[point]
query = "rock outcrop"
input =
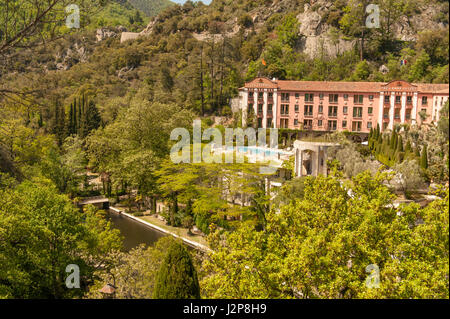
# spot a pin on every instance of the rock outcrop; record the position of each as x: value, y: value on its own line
x: 104, y: 33
x: 77, y: 53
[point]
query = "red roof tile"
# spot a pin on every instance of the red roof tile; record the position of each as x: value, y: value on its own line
x: 335, y: 86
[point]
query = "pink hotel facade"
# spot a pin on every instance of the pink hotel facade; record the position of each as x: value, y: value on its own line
x: 340, y: 106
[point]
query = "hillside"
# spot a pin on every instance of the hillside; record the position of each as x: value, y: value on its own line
x: 150, y: 7
x: 197, y: 56
x: 356, y: 196
x: 132, y: 14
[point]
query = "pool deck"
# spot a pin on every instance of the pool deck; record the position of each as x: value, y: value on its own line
x: 189, y: 242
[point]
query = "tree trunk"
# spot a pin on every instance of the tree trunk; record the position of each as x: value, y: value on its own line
x: 202, y: 93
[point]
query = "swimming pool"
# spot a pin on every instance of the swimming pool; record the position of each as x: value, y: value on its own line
x: 255, y: 150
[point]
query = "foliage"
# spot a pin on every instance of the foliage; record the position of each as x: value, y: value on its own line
x: 42, y: 233
x: 150, y: 7
x: 351, y: 161
x: 133, y: 273
x: 410, y: 177
x: 320, y: 246
x: 177, y: 277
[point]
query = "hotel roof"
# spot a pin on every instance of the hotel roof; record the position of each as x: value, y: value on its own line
x: 335, y: 86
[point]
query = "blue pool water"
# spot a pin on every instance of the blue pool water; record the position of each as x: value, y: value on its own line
x: 258, y: 150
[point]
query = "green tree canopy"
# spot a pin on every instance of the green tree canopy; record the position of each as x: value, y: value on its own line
x: 320, y: 247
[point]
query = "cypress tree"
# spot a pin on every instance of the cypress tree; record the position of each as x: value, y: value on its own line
x: 417, y: 152
x: 59, y: 123
x: 400, y: 144
x: 378, y: 148
x: 395, y: 143
x: 393, y: 138
x: 83, y: 120
x: 75, y: 112
x: 40, y: 123
x: 177, y: 277
x: 424, y: 158
x: 93, y: 118
x: 65, y: 123
x: 408, y: 147
x: 79, y: 117
x: 378, y: 130
x: 71, y: 119
x: 55, y: 120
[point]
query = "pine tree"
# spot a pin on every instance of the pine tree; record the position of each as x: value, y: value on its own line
x: 177, y: 277
x: 424, y: 158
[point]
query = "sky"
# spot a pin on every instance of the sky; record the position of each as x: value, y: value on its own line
x: 183, y: 1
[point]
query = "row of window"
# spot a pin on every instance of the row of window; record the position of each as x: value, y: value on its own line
x: 332, y: 110
x: 330, y: 125
x: 333, y: 98
x: 398, y: 99
x: 260, y: 95
x: 397, y: 113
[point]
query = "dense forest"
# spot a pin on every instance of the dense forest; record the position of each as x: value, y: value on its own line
x: 72, y: 103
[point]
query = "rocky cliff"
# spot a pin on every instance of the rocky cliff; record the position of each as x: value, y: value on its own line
x: 318, y: 20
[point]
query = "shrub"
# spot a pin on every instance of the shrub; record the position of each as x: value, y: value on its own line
x: 245, y: 21
x: 177, y: 277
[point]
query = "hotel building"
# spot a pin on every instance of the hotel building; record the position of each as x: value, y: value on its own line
x: 340, y: 106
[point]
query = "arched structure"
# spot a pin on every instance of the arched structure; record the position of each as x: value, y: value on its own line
x: 311, y: 158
